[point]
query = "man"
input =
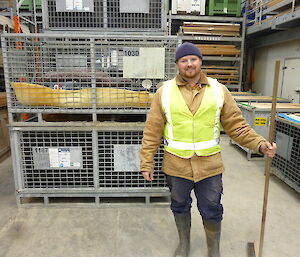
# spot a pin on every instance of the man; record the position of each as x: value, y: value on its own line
x: 187, y: 111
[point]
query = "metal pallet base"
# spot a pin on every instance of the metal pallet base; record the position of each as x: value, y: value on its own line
x: 292, y: 184
x: 117, y: 199
x: 56, y: 118
x: 250, y: 154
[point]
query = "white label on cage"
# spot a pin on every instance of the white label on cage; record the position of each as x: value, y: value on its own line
x: 53, y: 157
x: 225, y: 10
x: 286, y: 143
x: 133, y: 6
x: 114, y: 57
x: 57, y: 158
x: 196, y: 6
x: 78, y: 5
x: 40, y: 156
x: 76, y: 164
x: 149, y: 64
x: 74, y: 5
x: 126, y: 157
x: 66, y: 62
x: 69, y: 5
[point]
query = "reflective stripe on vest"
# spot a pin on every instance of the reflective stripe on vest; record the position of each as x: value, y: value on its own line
x: 179, y: 136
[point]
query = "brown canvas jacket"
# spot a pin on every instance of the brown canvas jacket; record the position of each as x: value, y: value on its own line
x: 195, y: 168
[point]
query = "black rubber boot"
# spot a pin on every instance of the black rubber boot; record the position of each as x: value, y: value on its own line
x: 183, y: 224
x: 213, y: 234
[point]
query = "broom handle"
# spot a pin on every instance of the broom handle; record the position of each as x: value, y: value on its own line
x: 268, y: 159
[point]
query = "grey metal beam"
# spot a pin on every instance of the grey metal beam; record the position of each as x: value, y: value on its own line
x: 207, y: 18
x: 276, y: 38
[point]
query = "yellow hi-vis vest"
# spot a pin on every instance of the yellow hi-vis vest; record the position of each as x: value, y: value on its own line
x: 186, y: 134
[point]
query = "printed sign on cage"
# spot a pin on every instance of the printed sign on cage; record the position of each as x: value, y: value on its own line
x: 144, y: 62
x: 127, y: 157
x: 57, y: 157
x: 133, y: 6
x: 74, y: 6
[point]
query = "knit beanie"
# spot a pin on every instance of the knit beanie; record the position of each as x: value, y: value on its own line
x: 185, y: 49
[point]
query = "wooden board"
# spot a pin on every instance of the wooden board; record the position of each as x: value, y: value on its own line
x: 219, y: 50
x: 3, y: 101
x: 4, y: 135
x: 216, y: 76
x: 242, y: 93
x: 187, y: 31
x: 257, y: 98
x: 7, y: 3
x: 279, y: 106
x: 204, y: 28
x: 220, y: 70
x: 209, y: 25
x: 1, y: 58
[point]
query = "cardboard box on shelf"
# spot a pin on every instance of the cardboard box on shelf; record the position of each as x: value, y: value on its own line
x: 188, y: 6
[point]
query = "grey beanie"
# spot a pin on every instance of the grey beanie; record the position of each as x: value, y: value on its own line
x: 185, y: 49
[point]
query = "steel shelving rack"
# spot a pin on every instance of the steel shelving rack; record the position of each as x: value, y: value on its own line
x: 239, y: 41
x: 286, y: 162
x: 273, y: 15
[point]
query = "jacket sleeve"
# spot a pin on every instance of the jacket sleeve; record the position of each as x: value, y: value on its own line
x: 153, y: 133
x: 235, y: 125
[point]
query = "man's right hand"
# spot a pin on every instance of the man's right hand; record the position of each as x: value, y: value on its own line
x: 147, y: 175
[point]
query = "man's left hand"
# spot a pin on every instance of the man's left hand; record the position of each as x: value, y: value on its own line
x: 268, y: 149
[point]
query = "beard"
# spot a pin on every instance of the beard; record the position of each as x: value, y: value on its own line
x: 190, y: 73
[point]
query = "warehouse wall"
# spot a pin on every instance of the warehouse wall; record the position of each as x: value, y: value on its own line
x: 264, y: 65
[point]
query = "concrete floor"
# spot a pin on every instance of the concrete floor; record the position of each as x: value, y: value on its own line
x: 137, y: 231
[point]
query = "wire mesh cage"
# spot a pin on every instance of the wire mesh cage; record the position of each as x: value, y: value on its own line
x: 105, y: 15
x: 85, y: 74
x: 49, y: 159
x: 286, y: 162
x: 257, y: 115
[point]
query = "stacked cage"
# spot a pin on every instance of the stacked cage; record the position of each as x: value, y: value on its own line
x: 105, y: 15
x: 257, y: 115
x: 286, y: 163
x: 77, y: 108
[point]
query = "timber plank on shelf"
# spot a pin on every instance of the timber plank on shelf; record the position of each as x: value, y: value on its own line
x: 3, y: 99
x: 217, y: 29
x: 220, y: 69
x: 219, y: 50
x: 226, y: 75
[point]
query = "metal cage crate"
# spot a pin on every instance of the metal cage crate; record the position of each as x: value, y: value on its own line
x: 224, y: 7
x: 69, y: 161
x: 286, y: 162
x: 28, y: 5
x: 47, y: 73
x: 257, y: 115
x: 105, y: 15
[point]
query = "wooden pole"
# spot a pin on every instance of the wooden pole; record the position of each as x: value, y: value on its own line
x: 268, y: 159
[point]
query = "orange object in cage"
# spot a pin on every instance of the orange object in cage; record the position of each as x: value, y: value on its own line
x: 17, y: 24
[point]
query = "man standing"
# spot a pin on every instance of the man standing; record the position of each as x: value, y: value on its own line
x: 187, y: 112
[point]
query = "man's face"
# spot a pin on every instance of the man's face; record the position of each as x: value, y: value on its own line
x: 189, y: 66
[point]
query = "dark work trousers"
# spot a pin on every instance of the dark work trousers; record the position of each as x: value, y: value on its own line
x: 207, y: 191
